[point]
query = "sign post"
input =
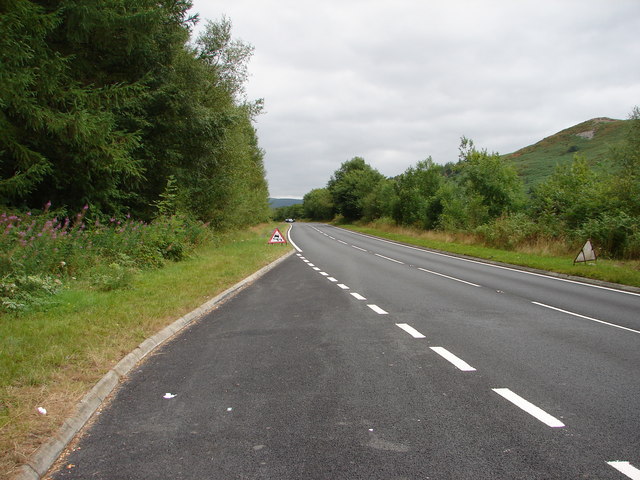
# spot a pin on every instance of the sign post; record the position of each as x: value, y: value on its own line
x: 277, y: 237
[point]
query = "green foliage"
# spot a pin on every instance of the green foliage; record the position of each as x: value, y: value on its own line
x: 349, y: 186
x: 490, y: 179
x: 571, y: 196
x: 318, y: 205
x: 593, y: 139
x: 616, y: 235
x: 483, y: 195
x: 291, y: 211
x: 39, y: 253
x: 509, y: 231
x: 382, y: 201
x: 418, y: 202
x: 105, y: 103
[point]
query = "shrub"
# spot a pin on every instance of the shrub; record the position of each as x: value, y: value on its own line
x: 38, y: 249
x: 615, y: 234
x: 508, y: 231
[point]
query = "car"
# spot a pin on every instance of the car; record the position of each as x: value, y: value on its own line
x: 289, y: 220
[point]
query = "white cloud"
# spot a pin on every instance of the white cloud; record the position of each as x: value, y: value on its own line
x: 395, y: 81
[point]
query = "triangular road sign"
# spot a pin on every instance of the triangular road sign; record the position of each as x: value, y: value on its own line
x: 587, y: 253
x: 277, y: 237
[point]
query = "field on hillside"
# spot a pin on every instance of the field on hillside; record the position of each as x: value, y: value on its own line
x: 593, y: 139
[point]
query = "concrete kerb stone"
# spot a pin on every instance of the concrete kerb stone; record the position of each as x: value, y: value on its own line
x: 42, y: 460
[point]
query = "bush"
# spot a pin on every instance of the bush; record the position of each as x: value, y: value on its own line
x: 616, y: 235
x: 508, y: 231
x: 18, y: 292
x: 40, y: 252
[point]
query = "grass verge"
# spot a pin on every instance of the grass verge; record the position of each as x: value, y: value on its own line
x: 51, y: 358
x: 614, y: 271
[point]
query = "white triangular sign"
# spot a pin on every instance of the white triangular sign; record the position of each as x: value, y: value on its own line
x: 277, y: 237
x: 587, y: 253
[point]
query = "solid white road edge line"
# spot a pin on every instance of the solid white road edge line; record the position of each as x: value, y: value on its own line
x: 458, y: 362
x: 387, y: 258
x: 586, y: 318
x: 377, y: 309
x: 492, y: 265
x: 357, y: 296
x: 291, y: 239
x: 410, y: 330
x: 529, y: 407
x: 447, y: 276
x: 627, y: 469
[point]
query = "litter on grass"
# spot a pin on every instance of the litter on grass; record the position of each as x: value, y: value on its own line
x: 169, y: 395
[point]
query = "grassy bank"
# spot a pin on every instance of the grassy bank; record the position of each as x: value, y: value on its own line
x: 542, y: 256
x: 52, y: 357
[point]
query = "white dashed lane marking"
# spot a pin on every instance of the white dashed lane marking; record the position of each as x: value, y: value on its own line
x: 377, y: 309
x: 410, y: 330
x: 343, y: 286
x: 626, y: 468
x: 357, y: 296
x: 529, y: 407
x: 458, y: 362
x: 390, y: 259
x: 447, y: 276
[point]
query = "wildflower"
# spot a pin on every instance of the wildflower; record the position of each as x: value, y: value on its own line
x: 86, y: 207
x: 47, y: 206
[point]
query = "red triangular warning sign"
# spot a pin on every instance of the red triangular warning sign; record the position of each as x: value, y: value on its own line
x: 277, y: 237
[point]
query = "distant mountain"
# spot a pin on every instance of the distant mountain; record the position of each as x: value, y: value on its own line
x: 283, y: 202
x: 593, y: 139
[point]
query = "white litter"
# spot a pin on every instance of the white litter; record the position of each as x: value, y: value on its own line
x: 229, y: 409
x: 42, y: 411
x: 169, y: 395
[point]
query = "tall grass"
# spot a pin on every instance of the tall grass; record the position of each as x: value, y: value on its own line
x: 41, y: 253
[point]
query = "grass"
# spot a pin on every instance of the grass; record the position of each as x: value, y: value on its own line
x: 537, y: 162
x: 52, y: 357
x: 547, y: 257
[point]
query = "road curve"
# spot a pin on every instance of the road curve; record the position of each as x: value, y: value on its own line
x: 361, y: 358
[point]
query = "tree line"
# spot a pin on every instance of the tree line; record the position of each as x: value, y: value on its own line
x: 112, y: 104
x: 482, y: 194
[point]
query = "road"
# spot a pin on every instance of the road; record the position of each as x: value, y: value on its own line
x: 362, y: 358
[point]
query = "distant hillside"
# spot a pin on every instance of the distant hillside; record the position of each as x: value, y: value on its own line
x: 593, y: 139
x: 283, y: 202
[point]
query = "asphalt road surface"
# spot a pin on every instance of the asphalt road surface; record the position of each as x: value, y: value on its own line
x: 359, y: 358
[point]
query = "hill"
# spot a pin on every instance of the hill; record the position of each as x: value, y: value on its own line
x: 593, y: 139
x: 283, y: 202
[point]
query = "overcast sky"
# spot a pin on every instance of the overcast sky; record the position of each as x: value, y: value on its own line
x: 396, y: 81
